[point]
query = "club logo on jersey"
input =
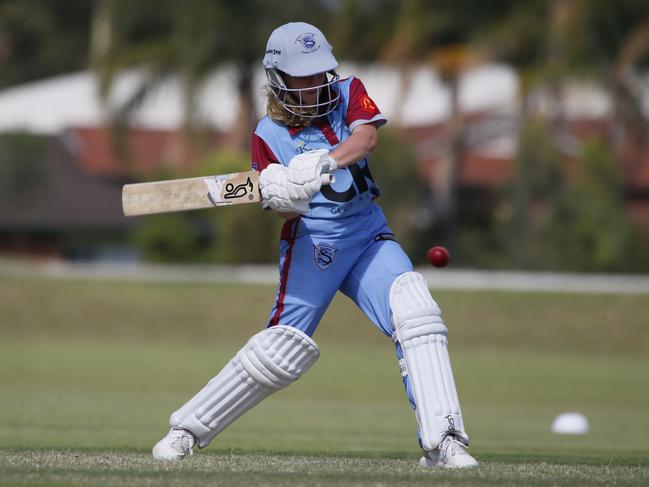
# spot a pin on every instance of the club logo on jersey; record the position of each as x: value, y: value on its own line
x: 323, y: 255
x: 308, y: 42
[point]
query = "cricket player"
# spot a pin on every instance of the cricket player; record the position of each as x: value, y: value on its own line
x: 335, y: 238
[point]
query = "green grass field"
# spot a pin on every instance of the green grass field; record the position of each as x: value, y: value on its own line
x: 89, y: 372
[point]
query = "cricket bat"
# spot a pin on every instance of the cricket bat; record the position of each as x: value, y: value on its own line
x: 193, y: 193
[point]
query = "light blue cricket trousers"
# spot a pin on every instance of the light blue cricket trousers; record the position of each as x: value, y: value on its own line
x: 356, y: 255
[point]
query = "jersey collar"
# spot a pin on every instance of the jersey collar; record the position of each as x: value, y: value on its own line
x: 318, y: 123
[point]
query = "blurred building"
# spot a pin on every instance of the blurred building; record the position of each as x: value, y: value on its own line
x: 51, y: 206
x: 75, y: 210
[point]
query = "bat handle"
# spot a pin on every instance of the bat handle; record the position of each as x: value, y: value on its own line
x: 327, y: 178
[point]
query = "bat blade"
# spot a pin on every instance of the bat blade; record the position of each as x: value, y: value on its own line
x: 190, y: 193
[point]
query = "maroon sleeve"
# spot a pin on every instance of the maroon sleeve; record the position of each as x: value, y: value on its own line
x: 361, y: 108
x: 262, y: 155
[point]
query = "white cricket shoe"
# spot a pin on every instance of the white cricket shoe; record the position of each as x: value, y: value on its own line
x: 450, y: 453
x: 177, y: 444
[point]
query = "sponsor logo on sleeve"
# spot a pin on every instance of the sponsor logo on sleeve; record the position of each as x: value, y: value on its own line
x: 367, y: 104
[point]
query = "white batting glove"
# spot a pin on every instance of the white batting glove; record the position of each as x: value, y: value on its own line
x: 280, y: 193
x: 309, y: 167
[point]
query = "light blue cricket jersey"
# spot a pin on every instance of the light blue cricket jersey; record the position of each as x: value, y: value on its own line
x: 354, y: 188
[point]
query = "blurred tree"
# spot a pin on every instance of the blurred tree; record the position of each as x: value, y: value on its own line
x: 533, y: 39
x: 40, y: 38
x: 533, y: 200
x: 591, y: 229
x: 174, y: 237
x: 361, y: 27
x: 551, y: 44
x: 190, y: 39
x: 394, y: 166
x: 415, y: 33
x: 575, y: 217
x: 614, y: 49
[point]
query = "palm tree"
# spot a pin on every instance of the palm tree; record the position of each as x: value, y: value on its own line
x: 618, y: 49
x: 189, y: 40
x: 439, y: 34
x: 551, y: 44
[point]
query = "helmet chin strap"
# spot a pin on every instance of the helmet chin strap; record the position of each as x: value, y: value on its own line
x: 292, y: 98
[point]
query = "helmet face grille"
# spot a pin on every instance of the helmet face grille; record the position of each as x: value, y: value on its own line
x: 292, y: 99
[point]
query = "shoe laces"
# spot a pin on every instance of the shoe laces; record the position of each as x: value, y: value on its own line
x: 450, y: 446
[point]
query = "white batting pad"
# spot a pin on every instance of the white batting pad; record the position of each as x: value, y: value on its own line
x: 270, y: 361
x: 421, y: 332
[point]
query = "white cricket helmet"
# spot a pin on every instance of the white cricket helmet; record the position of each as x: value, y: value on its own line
x: 301, y: 49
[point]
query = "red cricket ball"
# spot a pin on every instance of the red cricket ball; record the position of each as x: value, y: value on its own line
x: 438, y: 256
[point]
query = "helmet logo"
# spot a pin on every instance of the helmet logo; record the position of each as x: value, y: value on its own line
x: 308, y: 42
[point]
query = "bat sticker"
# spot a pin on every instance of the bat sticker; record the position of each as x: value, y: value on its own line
x: 232, y: 191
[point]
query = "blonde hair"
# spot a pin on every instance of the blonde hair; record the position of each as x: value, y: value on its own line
x: 278, y: 113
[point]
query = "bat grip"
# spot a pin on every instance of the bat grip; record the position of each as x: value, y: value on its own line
x: 327, y: 178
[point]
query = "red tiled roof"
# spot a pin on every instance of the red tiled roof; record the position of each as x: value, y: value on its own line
x: 637, y: 169
x: 479, y: 168
x: 475, y: 170
x: 638, y: 211
x: 152, y: 150
x: 145, y: 151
